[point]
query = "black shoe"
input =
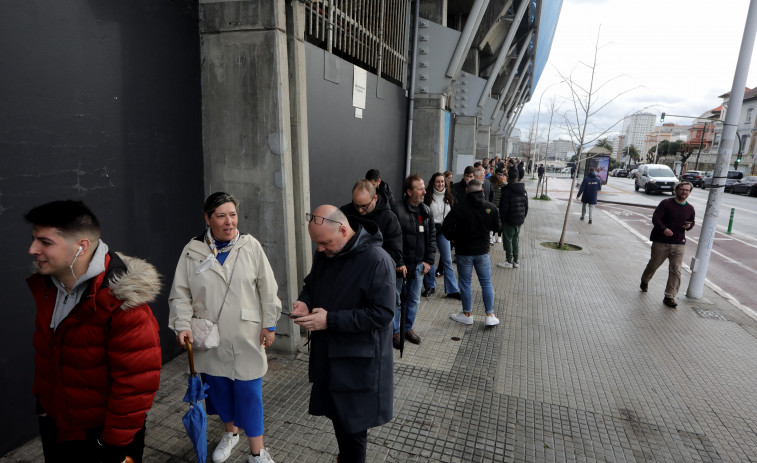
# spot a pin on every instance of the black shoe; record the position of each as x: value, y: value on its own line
x: 454, y: 296
x: 396, y: 341
x: 410, y: 336
x: 427, y: 292
x: 589, y: 220
x: 581, y: 218
x: 644, y: 286
x: 670, y: 302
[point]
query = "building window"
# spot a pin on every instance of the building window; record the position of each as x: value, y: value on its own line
x: 744, y: 139
x: 749, y: 115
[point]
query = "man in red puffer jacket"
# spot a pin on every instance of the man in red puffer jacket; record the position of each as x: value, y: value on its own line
x: 97, y: 351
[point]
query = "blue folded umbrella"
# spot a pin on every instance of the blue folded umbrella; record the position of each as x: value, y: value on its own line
x: 195, y: 420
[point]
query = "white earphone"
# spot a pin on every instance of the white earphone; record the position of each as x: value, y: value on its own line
x: 71, y: 267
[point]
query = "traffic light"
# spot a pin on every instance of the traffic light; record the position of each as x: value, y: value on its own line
x: 738, y: 161
x: 662, y: 117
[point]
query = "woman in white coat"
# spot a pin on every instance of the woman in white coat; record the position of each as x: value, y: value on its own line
x: 225, y: 277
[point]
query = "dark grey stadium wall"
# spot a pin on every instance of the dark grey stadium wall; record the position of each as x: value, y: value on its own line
x: 99, y: 101
x: 343, y: 147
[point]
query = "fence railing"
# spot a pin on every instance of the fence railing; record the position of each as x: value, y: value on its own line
x: 370, y: 33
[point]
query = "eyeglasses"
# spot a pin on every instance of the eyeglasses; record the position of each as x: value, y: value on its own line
x: 363, y: 206
x: 318, y: 219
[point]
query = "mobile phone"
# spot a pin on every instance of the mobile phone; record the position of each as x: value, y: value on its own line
x: 291, y: 315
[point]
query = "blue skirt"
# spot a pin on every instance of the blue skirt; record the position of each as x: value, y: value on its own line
x: 235, y: 401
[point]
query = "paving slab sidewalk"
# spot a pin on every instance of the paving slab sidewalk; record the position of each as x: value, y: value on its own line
x: 583, y: 367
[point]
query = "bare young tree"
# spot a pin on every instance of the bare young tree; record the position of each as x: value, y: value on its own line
x: 586, y: 103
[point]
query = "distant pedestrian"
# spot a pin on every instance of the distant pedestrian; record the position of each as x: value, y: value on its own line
x: 540, y: 171
x: 347, y: 304
x: 521, y: 171
x: 672, y: 218
x: 468, y: 224
x: 589, y: 188
x: 513, y: 209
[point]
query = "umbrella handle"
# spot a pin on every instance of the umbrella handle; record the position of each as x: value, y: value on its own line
x: 128, y: 460
x: 191, y: 359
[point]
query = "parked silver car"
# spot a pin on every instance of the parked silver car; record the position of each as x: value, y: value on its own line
x: 654, y: 178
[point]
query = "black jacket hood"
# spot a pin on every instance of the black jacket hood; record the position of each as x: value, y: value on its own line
x: 367, y: 234
x: 517, y: 187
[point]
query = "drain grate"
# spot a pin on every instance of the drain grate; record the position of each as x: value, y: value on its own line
x: 706, y: 312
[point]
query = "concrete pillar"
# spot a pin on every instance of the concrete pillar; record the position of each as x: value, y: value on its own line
x: 495, y: 145
x: 246, y: 125
x: 428, y: 135
x: 463, y: 145
x: 482, y: 142
x: 295, y: 15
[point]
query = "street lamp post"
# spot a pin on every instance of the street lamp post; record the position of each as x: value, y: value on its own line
x: 538, y: 116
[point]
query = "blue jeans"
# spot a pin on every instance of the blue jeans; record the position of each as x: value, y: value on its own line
x: 445, y: 262
x: 413, y: 293
x: 465, y: 265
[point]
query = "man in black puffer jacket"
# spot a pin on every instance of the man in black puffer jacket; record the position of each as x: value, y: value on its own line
x: 468, y: 224
x: 368, y: 204
x: 513, y: 208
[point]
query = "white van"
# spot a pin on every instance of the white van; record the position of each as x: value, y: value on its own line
x: 655, y: 178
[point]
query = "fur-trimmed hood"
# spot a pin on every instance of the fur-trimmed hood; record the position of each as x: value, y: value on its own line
x: 133, y: 280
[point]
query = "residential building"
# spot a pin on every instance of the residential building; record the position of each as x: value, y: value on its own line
x: 636, y: 127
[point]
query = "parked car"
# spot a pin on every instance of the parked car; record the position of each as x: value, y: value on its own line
x: 706, y: 180
x: 747, y: 185
x: 632, y: 173
x: 732, y: 177
x: 621, y: 173
x: 655, y: 178
x: 693, y: 176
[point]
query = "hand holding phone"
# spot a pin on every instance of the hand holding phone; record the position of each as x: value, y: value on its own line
x: 291, y: 315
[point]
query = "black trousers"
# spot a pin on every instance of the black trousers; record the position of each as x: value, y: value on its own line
x: 352, y: 447
x: 83, y: 451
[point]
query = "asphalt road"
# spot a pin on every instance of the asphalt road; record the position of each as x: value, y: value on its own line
x: 733, y: 262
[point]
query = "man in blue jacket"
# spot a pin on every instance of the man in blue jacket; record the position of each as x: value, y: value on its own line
x: 348, y: 304
x: 589, y: 188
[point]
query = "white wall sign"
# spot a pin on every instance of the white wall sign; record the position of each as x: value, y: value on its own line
x: 359, y: 87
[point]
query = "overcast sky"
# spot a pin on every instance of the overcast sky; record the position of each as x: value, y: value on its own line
x: 681, y: 54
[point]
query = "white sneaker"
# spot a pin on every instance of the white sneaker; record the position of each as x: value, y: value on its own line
x: 505, y: 265
x: 499, y: 239
x: 264, y: 457
x: 492, y: 240
x: 461, y: 318
x: 223, y: 449
x: 491, y: 320
x: 516, y: 264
